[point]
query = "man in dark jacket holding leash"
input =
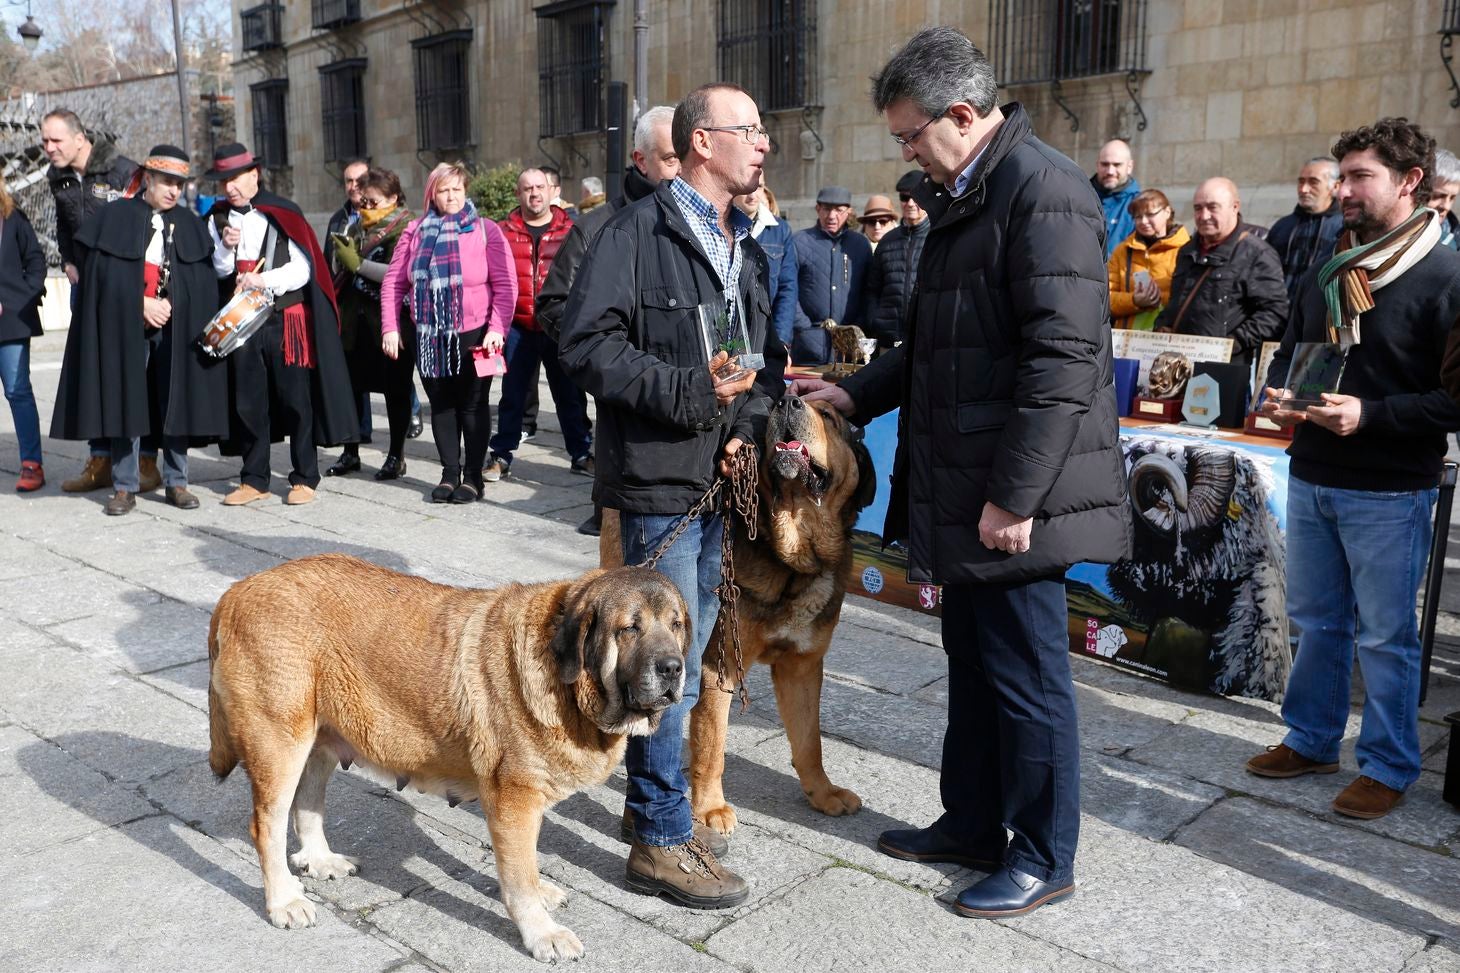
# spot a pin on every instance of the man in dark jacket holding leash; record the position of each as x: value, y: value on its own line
x: 1008, y: 469
x: 671, y: 416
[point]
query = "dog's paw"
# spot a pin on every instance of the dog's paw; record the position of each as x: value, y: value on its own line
x: 836, y: 802
x: 553, y: 942
x: 326, y: 866
x: 294, y: 914
x: 722, y: 819
x: 552, y: 895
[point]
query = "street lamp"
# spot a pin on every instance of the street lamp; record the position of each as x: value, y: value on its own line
x: 30, y: 34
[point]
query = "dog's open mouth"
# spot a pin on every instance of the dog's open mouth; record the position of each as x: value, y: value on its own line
x: 649, y: 705
x: 792, y: 461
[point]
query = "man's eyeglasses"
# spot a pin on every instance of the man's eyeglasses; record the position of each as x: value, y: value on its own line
x: 923, y: 128
x: 751, y: 133
x: 903, y: 197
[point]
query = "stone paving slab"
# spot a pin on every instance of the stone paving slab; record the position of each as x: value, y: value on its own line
x: 1371, y: 877
x: 155, y: 894
x: 155, y: 635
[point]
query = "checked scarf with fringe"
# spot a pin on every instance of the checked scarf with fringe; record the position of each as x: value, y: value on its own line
x: 1350, y: 278
x: 436, y: 290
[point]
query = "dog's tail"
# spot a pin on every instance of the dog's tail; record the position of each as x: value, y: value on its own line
x: 221, y: 756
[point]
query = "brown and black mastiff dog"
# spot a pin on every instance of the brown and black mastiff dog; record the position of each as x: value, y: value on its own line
x: 518, y: 696
x: 815, y: 477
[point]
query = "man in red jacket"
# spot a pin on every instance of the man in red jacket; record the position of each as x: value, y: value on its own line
x: 535, y: 230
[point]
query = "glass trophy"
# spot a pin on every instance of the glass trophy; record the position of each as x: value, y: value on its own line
x: 724, y: 331
x: 1317, y: 367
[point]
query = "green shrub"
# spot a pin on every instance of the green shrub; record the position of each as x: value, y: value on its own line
x: 494, y: 190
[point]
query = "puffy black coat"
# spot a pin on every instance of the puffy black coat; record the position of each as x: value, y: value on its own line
x: 631, y: 339
x: 22, y: 278
x: 1005, y: 376
x: 890, y: 281
x: 77, y: 197
x: 1240, y: 292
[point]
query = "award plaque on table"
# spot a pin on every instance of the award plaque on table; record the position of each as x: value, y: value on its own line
x: 1317, y: 368
x: 723, y: 331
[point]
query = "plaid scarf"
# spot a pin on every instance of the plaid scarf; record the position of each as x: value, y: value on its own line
x: 1356, y: 270
x: 436, y: 290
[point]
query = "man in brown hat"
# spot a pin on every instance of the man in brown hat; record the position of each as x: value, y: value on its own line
x: 290, y: 378
x: 877, y: 219
x: 145, y: 293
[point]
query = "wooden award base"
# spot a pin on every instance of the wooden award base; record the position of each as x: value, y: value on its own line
x: 1260, y: 425
x: 1156, y: 410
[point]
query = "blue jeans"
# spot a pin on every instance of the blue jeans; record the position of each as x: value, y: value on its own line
x: 126, y: 455
x: 15, y: 376
x: 1011, y: 753
x: 1355, y: 562
x: 658, y: 793
x: 523, y: 351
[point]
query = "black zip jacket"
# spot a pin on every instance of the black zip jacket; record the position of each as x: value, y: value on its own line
x: 1240, y: 292
x: 78, y: 196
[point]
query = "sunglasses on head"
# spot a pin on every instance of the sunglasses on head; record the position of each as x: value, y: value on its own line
x: 904, y: 197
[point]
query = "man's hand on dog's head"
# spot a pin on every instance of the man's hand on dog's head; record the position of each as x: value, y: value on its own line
x: 812, y: 389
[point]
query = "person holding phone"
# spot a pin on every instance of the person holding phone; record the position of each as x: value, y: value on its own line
x: 1142, y: 265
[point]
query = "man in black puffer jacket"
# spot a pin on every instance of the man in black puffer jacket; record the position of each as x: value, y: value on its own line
x: 894, y: 269
x: 1008, y: 469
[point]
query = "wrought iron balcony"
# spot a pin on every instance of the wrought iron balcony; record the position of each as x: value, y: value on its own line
x: 328, y: 14
x: 262, y: 26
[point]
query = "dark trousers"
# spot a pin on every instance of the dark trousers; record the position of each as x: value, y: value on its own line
x: 1011, y: 756
x: 261, y: 377
x: 461, y: 414
x: 524, y: 351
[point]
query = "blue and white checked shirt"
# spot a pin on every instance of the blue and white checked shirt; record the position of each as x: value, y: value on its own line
x: 704, y: 221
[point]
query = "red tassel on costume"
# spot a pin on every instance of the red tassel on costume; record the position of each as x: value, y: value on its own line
x: 298, y: 337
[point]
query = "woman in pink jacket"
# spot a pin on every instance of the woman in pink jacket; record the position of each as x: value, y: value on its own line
x: 454, y: 271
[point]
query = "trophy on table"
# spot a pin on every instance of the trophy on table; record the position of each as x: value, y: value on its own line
x: 1164, y: 388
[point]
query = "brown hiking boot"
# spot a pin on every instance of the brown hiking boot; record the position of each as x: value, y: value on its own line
x: 687, y: 873
x: 95, y: 475
x: 1367, y: 798
x: 1283, y: 761
x: 718, y: 844
x: 148, y: 479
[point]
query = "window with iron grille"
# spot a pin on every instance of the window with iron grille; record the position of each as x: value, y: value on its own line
x: 342, y: 109
x: 443, y: 118
x: 768, y: 47
x: 1055, y: 40
x: 325, y: 14
x: 572, y: 51
x: 270, y: 123
x: 262, y: 26
x: 1450, y: 17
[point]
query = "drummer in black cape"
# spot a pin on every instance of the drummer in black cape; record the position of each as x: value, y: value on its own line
x: 131, y: 368
x: 289, y: 378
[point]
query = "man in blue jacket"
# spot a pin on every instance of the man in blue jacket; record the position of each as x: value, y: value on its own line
x: 832, y: 262
x: 773, y: 234
x: 1116, y: 187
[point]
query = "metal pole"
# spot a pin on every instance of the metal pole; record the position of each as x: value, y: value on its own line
x: 641, y: 58
x: 182, y: 81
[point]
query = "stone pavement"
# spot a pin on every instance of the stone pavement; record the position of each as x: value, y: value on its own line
x: 118, y: 851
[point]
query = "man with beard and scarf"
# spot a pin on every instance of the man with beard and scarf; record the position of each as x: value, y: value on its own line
x: 146, y: 293
x: 654, y: 162
x: 1365, y: 467
x: 290, y: 377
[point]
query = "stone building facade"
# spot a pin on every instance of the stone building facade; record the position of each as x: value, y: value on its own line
x: 1244, y: 88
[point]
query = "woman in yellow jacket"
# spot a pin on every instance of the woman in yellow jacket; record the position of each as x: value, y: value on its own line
x: 1141, y: 267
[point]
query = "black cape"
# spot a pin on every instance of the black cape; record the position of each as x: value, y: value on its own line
x: 336, y: 419
x: 103, y: 390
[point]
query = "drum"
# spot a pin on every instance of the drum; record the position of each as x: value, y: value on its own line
x: 244, y: 314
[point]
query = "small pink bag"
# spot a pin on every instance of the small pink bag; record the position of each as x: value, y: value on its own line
x: 488, y: 365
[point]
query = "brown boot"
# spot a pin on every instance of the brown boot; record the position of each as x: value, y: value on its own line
x: 1367, y: 798
x: 148, y: 479
x: 95, y: 475
x: 718, y: 844
x: 120, y: 504
x: 1283, y: 761
x: 687, y: 873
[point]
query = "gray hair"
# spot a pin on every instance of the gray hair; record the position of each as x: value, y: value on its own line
x: 650, y: 120
x: 935, y: 70
x: 1327, y: 161
x: 1447, y: 167
x: 592, y: 185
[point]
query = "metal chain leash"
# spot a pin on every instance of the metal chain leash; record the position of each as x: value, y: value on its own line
x: 742, y: 500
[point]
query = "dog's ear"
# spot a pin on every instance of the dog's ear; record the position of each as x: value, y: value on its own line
x: 866, y: 473
x: 573, y: 633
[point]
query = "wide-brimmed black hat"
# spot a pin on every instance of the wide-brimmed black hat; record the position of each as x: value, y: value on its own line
x: 231, y: 159
x: 170, y: 160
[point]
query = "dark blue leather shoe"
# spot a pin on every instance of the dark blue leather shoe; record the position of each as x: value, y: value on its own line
x: 932, y: 846
x: 1010, y: 892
